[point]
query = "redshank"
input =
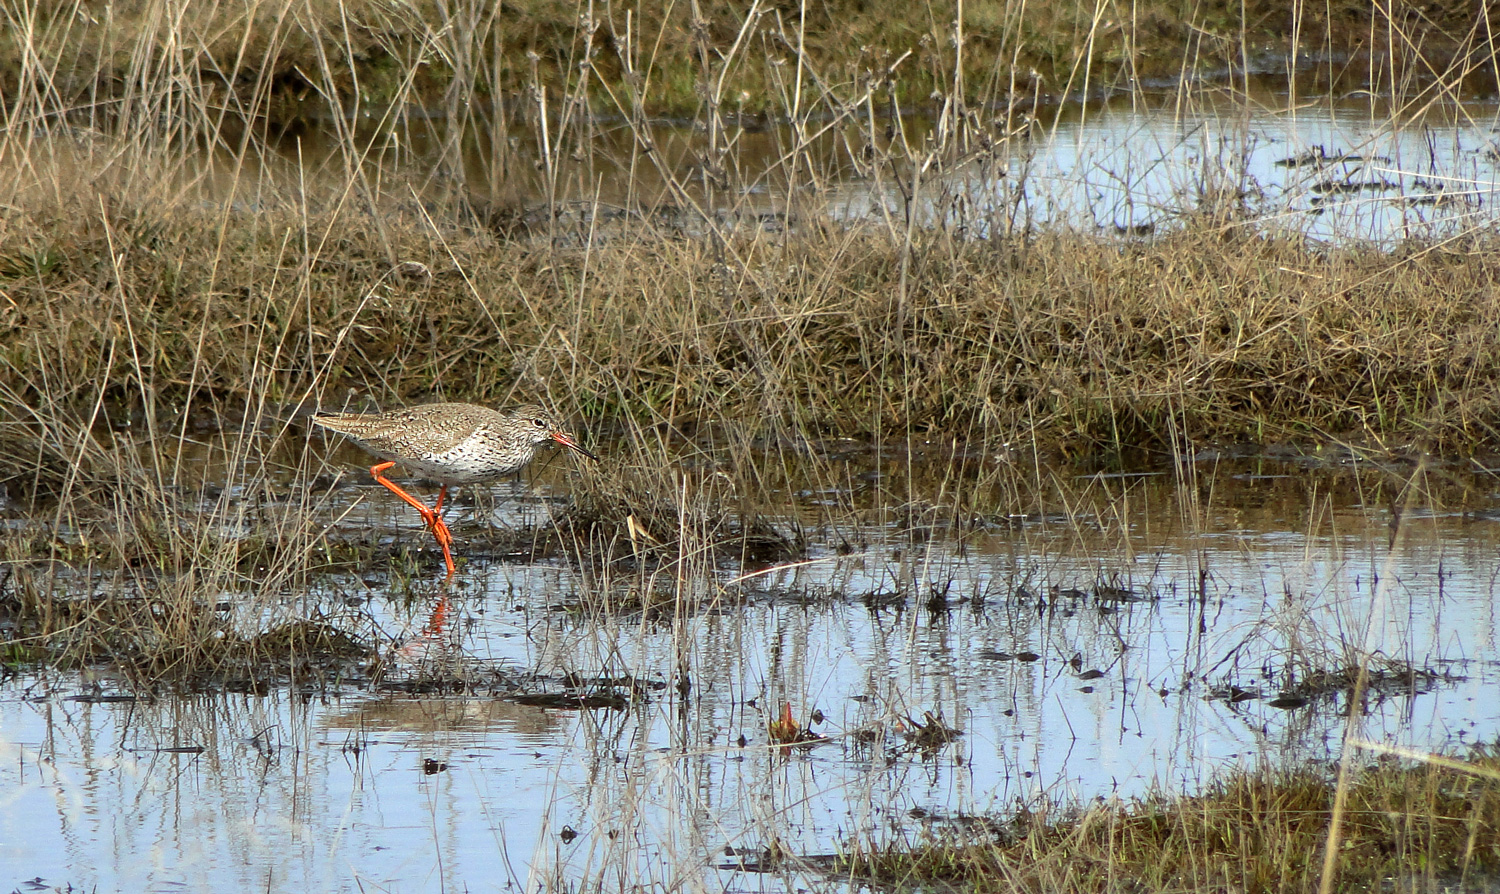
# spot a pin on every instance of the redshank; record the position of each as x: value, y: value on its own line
x: 453, y: 444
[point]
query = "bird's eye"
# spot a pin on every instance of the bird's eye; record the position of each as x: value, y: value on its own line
x: 539, y: 422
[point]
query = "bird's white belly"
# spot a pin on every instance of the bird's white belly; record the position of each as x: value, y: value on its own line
x: 455, y: 466
x: 469, y: 462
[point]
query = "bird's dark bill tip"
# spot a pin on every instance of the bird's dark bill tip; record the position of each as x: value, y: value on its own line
x: 566, y: 440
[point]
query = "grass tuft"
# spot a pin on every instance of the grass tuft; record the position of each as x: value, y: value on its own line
x: 1413, y: 825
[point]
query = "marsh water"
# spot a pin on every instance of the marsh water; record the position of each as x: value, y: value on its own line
x: 1143, y: 628
x: 1356, y: 166
x: 1140, y: 632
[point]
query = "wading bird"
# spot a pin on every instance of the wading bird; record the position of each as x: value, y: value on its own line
x: 453, y: 444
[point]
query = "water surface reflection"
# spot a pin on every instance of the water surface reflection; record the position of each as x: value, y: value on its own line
x: 1133, y: 643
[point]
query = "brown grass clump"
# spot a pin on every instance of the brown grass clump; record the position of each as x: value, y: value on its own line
x: 646, y: 517
x: 1073, y: 342
x: 150, y: 283
x: 163, y: 633
x: 1415, y: 825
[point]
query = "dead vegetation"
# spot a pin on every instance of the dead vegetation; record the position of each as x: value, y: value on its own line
x: 1073, y: 342
x: 281, y: 58
x: 1410, y: 825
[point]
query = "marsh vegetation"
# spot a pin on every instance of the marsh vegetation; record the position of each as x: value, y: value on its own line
x: 908, y: 473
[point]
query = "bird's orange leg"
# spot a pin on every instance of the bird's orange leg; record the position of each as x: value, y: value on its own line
x: 435, y: 523
x: 440, y: 530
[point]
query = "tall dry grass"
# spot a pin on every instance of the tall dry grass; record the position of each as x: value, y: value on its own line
x: 1073, y: 343
x: 1408, y: 824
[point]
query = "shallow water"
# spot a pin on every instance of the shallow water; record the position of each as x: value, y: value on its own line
x: 1356, y: 166
x: 1139, y: 603
x: 1334, y: 168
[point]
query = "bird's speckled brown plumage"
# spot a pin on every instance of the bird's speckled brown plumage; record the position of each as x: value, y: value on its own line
x: 452, y: 443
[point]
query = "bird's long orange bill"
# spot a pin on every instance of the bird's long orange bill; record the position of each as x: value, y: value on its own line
x: 566, y: 440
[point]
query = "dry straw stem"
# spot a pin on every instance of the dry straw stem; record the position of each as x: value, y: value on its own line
x: 1416, y: 825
